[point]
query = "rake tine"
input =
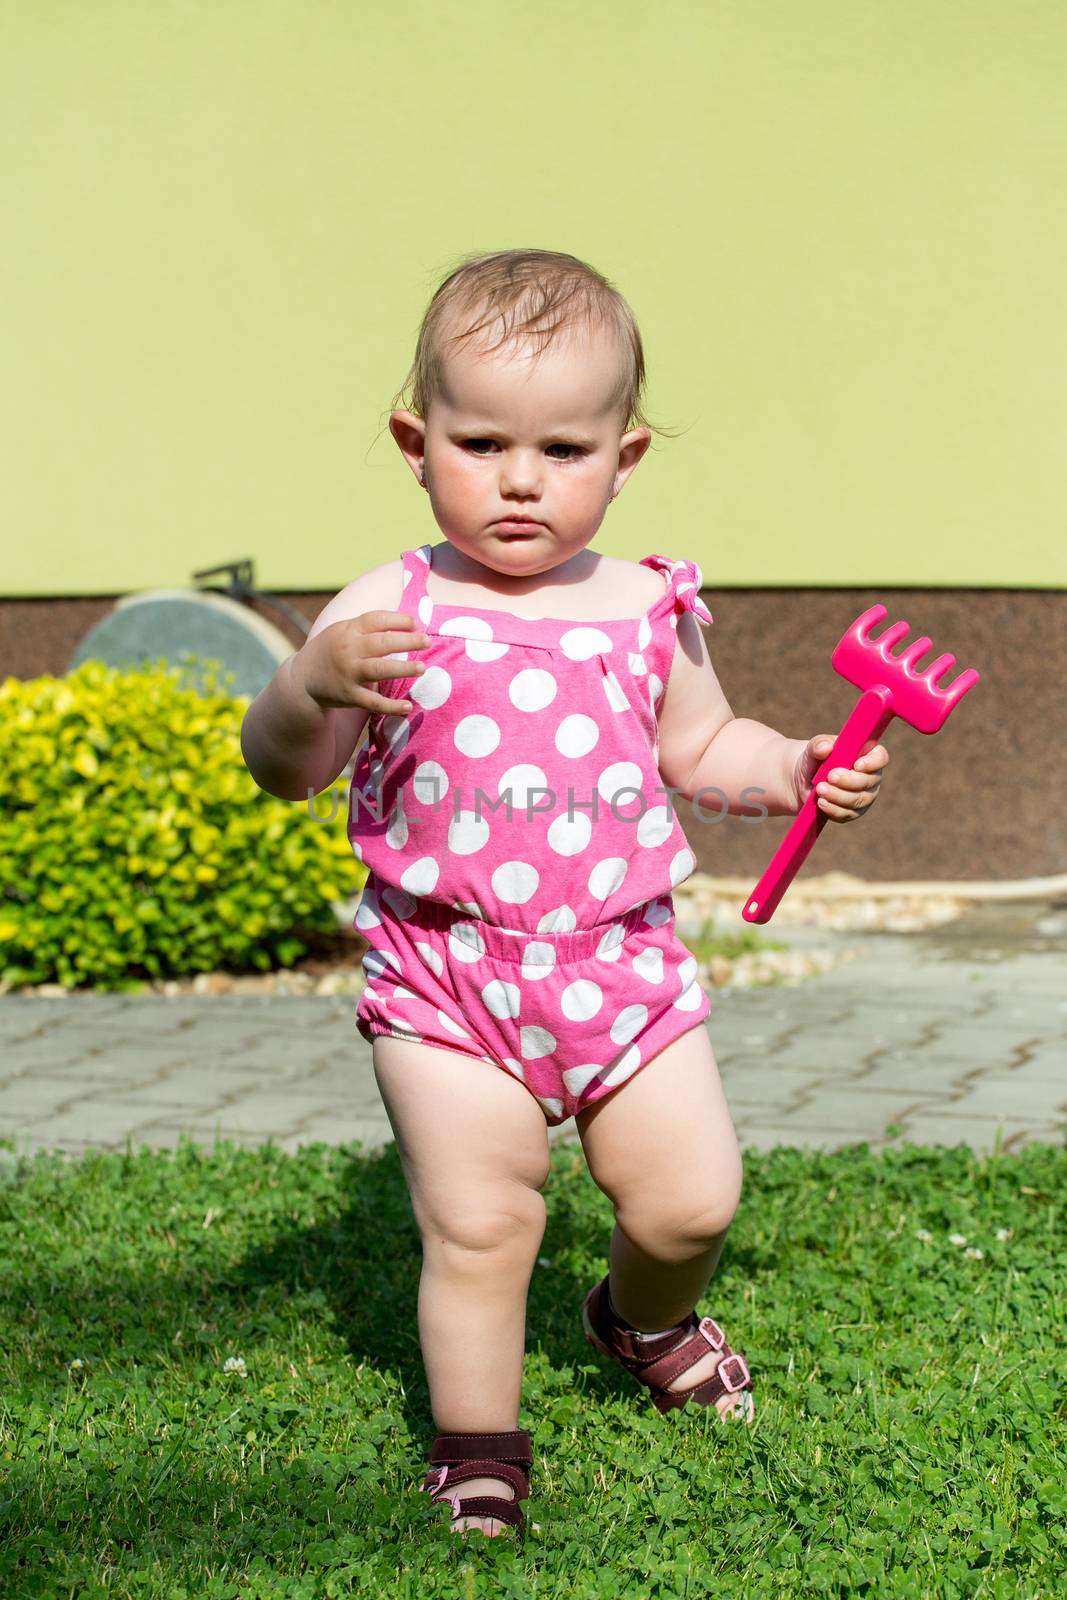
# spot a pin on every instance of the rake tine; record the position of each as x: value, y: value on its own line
x: 938, y: 668
x: 870, y: 619
x: 959, y: 686
x: 892, y: 634
x: 910, y: 656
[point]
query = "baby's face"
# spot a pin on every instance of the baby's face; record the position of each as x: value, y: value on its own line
x: 515, y: 437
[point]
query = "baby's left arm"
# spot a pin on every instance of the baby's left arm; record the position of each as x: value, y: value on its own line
x: 743, y: 763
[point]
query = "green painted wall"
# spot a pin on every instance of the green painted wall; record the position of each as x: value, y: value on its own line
x: 841, y: 224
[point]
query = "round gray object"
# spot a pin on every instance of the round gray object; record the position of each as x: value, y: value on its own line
x: 173, y: 623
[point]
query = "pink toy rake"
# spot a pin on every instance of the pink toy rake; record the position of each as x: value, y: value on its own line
x: 891, y: 688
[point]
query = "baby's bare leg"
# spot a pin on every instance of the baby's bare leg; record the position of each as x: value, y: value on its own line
x: 664, y: 1151
x: 474, y: 1147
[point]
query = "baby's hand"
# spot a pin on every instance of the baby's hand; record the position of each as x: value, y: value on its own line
x: 336, y: 666
x: 849, y: 792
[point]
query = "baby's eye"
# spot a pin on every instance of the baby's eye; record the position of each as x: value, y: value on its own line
x: 575, y: 450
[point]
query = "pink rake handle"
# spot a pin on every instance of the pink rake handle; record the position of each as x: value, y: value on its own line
x: 868, y: 719
x: 893, y: 686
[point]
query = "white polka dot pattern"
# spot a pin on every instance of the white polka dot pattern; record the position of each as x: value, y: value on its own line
x: 477, y: 636
x: 514, y: 882
x: 520, y: 781
x: 569, y: 836
x: 432, y: 689
x: 570, y: 1015
x: 467, y: 834
x: 502, y: 999
x: 476, y: 736
x: 532, y: 689
x: 576, y: 735
x: 581, y: 1000
x: 525, y: 778
x: 578, y: 644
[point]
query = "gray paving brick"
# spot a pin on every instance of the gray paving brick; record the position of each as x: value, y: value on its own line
x: 942, y: 1128
x: 44, y: 1053
x: 70, y: 1050
x: 835, y: 1107
x: 994, y: 1055
x: 1047, y: 1060
x: 986, y: 1036
x: 839, y: 1059
x: 911, y: 1077
x: 1012, y: 1095
x: 340, y: 1130
x: 310, y: 1023
x: 259, y: 1111
x: 93, y: 1071
x: 358, y: 1096
x: 24, y: 1099
x: 23, y: 1014
x: 768, y: 1136
x: 193, y: 1087
x: 203, y: 1079
x: 215, y: 1015
x: 764, y: 1087
x: 355, y: 1088
x: 789, y: 1070
x: 139, y: 1028
x: 99, y: 1120
x: 18, y: 1029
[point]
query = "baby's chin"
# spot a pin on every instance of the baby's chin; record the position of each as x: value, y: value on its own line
x: 515, y: 555
x: 537, y: 551
x: 519, y: 557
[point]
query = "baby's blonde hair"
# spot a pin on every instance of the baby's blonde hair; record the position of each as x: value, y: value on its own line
x: 533, y: 293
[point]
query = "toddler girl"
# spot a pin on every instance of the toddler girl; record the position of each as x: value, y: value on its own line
x: 515, y: 810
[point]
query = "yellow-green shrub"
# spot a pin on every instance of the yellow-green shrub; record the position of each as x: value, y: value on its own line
x: 134, y: 841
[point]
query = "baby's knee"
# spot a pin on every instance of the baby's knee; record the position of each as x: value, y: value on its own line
x: 503, y: 1222
x: 676, y: 1226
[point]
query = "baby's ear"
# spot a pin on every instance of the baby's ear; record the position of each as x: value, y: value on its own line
x: 632, y: 447
x: 409, y: 432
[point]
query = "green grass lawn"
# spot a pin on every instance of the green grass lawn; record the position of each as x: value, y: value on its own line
x: 212, y: 1386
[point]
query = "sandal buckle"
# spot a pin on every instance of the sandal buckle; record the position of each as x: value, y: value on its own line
x: 710, y: 1330
x: 438, y: 1475
x: 738, y: 1376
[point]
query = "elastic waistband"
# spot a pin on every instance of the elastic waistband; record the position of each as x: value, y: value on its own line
x: 529, y: 947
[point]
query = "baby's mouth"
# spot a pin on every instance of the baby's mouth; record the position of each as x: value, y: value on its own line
x: 517, y: 524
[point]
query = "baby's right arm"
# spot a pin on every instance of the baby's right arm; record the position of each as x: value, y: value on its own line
x: 300, y: 731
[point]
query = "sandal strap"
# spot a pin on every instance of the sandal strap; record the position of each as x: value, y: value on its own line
x: 512, y: 1445
x: 463, y: 1471
x: 487, y: 1505
x: 662, y: 1373
x: 710, y: 1390
x: 657, y: 1362
x: 458, y: 1457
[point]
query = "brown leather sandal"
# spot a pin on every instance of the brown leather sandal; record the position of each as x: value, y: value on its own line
x: 457, y: 1457
x: 657, y: 1362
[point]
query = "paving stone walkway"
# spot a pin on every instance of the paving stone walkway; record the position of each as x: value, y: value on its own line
x: 943, y: 1037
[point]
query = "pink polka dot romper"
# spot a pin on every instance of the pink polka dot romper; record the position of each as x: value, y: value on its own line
x: 522, y: 849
